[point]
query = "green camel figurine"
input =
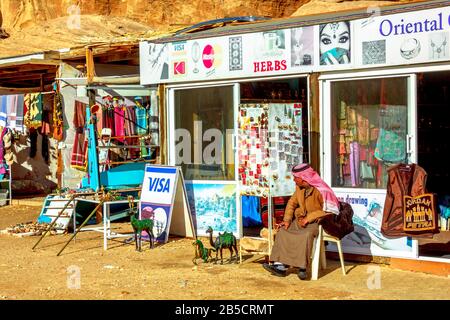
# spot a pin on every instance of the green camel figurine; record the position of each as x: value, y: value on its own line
x: 225, y: 240
x: 201, y: 252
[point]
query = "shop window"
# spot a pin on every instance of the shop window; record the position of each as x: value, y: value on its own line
x: 203, y: 138
x: 369, y: 128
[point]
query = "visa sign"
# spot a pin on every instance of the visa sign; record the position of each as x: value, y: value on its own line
x: 159, y: 184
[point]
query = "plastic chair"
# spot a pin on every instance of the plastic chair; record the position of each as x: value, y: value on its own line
x: 319, y: 259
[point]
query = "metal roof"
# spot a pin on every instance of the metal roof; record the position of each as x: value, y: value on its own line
x: 274, y: 24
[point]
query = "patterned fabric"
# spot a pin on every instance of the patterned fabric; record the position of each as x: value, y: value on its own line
x: 58, y: 121
x: 129, y: 121
x: 33, y: 117
x: 279, y: 205
x: 79, y: 152
x: 119, y: 123
x: 391, y: 142
x: 80, y: 144
x: 79, y: 118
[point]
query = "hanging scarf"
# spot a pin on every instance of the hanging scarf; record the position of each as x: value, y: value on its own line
x: 330, y: 201
x: 141, y: 120
x: 58, y: 117
x: 33, y: 117
x: 119, y: 122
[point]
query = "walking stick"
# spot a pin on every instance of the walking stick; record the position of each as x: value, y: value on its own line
x: 82, y: 225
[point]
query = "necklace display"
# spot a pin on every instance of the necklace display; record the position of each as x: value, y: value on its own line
x: 438, y: 49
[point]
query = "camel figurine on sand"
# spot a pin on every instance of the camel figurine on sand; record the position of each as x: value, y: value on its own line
x: 201, y: 252
x: 223, y: 240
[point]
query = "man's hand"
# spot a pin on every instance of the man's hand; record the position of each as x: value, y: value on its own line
x: 303, y: 222
x: 284, y: 224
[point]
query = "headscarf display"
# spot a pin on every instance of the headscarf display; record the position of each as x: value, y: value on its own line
x: 330, y: 201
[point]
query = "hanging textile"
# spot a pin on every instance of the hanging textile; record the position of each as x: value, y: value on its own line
x: 99, y: 118
x: 20, y: 112
x: 141, y: 120
x: 142, y: 126
x: 107, y: 118
x: 11, y: 111
x: 129, y: 120
x: 130, y: 130
x: 58, y: 121
x: 119, y: 122
x: 80, y: 144
x: 33, y: 142
x: 391, y: 142
x: 354, y: 163
x: 250, y: 211
x: 79, y: 118
x: 45, y: 148
x: 279, y: 206
x: 33, y: 117
x: 3, y: 111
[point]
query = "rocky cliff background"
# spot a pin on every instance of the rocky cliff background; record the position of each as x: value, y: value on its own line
x: 37, y: 25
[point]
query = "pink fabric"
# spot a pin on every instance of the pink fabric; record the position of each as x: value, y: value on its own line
x: 119, y: 122
x: 354, y: 163
x: 330, y: 201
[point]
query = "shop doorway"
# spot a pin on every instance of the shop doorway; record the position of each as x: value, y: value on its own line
x: 433, y: 125
x: 273, y: 136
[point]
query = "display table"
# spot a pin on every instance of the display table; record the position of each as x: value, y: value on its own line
x: 106, y: 213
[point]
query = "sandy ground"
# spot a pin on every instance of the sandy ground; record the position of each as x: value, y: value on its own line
x: 167, y: 272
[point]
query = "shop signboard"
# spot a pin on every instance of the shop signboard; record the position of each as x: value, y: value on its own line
x: 402, y: 39
x: 237, y: 56
x: 384, y: 40
x: 367, y: 238
x: 164, y: 200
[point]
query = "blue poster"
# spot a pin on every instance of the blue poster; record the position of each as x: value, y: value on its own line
x: 213, y: 205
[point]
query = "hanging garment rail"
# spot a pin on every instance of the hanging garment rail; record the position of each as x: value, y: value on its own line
x: 128, y: 147
x: 123, y: 162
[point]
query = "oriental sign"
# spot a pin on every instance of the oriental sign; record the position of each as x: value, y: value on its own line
x: 419, y: 213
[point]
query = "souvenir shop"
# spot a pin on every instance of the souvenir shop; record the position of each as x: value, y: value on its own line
x: 373, y: 85
x: 232, y: 138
